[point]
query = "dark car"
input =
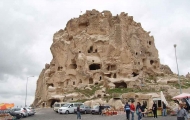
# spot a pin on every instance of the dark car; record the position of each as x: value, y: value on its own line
x: 95, y: 109
x: 14, y: 112
x: 84, y: 109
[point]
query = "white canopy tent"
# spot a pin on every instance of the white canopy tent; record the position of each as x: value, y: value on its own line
x: 163, y: 98
x: 181, y: 96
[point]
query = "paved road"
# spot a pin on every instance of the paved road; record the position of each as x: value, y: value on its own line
x: 49, y: 114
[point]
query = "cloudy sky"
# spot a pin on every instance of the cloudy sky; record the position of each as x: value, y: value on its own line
x: 27, y: 28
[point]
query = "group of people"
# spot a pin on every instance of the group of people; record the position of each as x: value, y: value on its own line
x: 140, y: 110
x: 131, y: 109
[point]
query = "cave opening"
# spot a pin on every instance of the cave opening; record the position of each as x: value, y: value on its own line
x: 94, y: 67
x: 115, y: 76
x: 134, y: 74
x: 120, y: 85
x: 99, y: 96
x: 52, y: 101
x: 151, y: 62
x: 73, y: 66
x: 90, y: 49
x: 90, y: 81
x: 111, y: 67
x: 149, y: 42
x: 67, y: 82
x: 50, y: 84
x: 108, y: 75
x: 43, y: 104
x: 60, y: 68
x: 80, y: 81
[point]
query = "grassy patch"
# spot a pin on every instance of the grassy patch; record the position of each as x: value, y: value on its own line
x: 185, y: 83
x: 88, y: 92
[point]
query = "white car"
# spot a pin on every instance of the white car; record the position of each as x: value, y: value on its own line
x: 57, y: 105
x: 69, y: 108
x: 23, y: 111
x: 30, y: 111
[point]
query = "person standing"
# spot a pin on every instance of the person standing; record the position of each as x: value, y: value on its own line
x: 143, y: 108
x: 127, y: 110
x: 164, y: 112
x: 181, y: 113
x: 100, y: 109
x: 139, y: 110
x: 154, y: 109
x: 78, y: 113
x: 132, y: 108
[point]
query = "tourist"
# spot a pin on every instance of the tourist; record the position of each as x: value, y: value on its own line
x: 132, y: 108
x: 78, y: 113
x: 127, y: 110
x: 164, y: 112
x: 100, y: 109
x: 181, y: 113
x: 154, y: 109
x: 139, y: 110
x: 143, y: 108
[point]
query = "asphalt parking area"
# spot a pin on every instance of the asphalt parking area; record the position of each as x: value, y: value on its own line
x: 49, y: 114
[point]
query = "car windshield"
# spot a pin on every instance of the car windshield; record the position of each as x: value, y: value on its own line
x: 82, y: 106
x: 66, y: 105
x: 106, y: 106
x: 56, y: 105
x: 95, y: 107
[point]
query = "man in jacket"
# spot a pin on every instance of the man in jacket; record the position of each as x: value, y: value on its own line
x: 164, y: 113
x: 132, y: 108
x: 127, y: 110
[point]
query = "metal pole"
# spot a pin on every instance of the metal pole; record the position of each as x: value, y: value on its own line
x: 177, y: 69
x: 26, y: 89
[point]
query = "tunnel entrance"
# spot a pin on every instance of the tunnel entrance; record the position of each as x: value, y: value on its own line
x: 120, y: 85
x: 52, y: 101
x: 43, y: 104
x: 94, y: 66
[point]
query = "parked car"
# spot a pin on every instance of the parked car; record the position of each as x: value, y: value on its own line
x: 22, y: 111
x: 69, y: 108
x: 32, y: 110
x: 57, y: 105
x: 84, y: 109
x: 15, y: 113
x: 95, y: 109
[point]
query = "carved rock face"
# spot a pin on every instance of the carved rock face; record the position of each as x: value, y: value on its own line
x: 98, y: 48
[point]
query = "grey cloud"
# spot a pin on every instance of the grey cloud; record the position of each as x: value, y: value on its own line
x: 27, y: 28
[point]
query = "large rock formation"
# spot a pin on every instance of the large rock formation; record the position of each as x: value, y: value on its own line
x: 97, y: 48
x: 188, y: 75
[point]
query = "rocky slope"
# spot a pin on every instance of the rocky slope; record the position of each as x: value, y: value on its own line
x: 98, y: 49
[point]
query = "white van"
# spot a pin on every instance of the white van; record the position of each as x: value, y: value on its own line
x: 69, y: 108
x: 57, y: 105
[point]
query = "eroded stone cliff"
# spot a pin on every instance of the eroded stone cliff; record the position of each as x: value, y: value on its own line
x: 97, y: 48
